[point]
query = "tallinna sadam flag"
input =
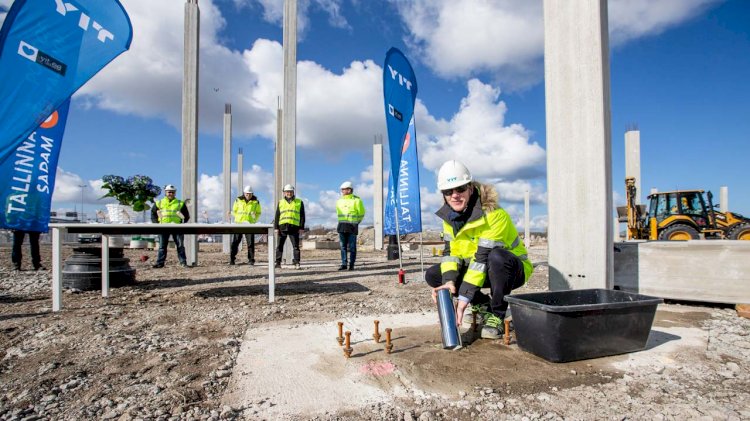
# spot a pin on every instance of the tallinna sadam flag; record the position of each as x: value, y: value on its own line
x: 48, y: 50
x: 399, y: 95
x: 405, y: 199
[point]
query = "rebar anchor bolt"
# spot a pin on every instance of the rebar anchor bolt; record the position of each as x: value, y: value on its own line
x: 340, y: 338
x: 376, y: 335
x: 348, y: 348
x: 388, y: 344
x: 473, y: 321
x: 506, y: 338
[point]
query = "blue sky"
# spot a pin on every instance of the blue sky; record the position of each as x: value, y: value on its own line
x: 678, y: 70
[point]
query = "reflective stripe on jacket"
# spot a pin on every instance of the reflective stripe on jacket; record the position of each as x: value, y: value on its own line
x: 246, y: 211
x: 471, y: 245
x: 289, y: 212
x: 169, y: 211
x: 350, y: 209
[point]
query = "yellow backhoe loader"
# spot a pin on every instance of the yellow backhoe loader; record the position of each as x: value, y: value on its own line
x: 681, y: 215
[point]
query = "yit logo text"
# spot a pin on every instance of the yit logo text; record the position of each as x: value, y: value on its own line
x: 84, y: 21
x: 401, y: 79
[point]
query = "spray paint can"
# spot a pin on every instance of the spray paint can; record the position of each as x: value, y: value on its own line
x: 451, y: 337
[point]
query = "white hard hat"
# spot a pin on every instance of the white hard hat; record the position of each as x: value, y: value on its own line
x: 288, y: 187
x: 346, y: 185
x: 169, y: 187
x: 248, y: 189
x: 453, y: 174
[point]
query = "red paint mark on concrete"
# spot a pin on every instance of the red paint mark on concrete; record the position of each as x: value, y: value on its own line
x: 378, y: 368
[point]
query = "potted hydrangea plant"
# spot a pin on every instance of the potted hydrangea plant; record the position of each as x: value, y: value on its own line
x: 136, y: 191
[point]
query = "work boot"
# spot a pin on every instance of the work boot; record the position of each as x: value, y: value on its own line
x: 492, y: 327
x: 342, y: 267
x: 481, y: 310
x: 39, y: 267
x: 16, y: 267
x: 183, y: 264
x: 277, y: 265
x: 351, y: 267
x: 297, y: 266
x: 231, y: 262
x: 251, y: 262
x: 158, y: 266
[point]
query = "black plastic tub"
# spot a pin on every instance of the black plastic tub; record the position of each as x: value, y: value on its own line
x: 562, y: 326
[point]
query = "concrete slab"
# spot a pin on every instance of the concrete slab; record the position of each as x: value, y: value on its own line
x: 299, y: 370
x: 699, y: 270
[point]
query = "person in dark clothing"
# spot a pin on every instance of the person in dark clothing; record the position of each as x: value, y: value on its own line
x: 170, y: 210
x: 289, y: 222
x: 16, y: 255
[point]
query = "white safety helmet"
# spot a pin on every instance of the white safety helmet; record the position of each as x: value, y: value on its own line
x: 169, y: 187
x: 248, y: 189
x: 346, y: 185
x: 453, y: 174
x: 288, y: 187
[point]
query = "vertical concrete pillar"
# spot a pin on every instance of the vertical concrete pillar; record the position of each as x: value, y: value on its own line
x: 227, y: 170
x: 377, y: 190
x: 579, y: 162
x: 277, y: 159
x: 633, y: 160
x: 289, y: 129
x: 190, y: 122
x: 240, y: 173
x: 724, y: 199
x: 526, y: 220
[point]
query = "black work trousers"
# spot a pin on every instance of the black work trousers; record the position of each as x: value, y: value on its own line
x: 294, y: 238
x: 236, y: 240
x: 16, y: 254
x: 504, y: 274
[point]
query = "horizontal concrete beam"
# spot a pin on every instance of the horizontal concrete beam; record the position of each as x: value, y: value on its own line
x: 715, y: 271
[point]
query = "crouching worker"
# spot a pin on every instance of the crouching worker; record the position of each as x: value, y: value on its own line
x: 481, y: 246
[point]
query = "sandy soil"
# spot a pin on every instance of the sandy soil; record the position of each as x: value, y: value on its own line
x: 165, y: 348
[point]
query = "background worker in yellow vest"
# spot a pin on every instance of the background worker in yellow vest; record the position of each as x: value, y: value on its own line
x: 289, y: 222
x: 170, y: 210
x: 350, y: 210
x: 481, y: 246
x: 246, y: 209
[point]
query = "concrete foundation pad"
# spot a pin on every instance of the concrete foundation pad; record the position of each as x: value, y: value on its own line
x: 300, y: 370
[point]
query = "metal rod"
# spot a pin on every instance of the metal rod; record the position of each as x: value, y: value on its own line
x: 376, y: 335
x: 388, y: 344
x: 348, y: 348
x: 507, y: 332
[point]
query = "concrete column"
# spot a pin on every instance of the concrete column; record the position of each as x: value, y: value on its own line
x: 227, y: 169
x: 526, y: 221
x: 190, y: 122
x: 377, y: 190
x: 240, y: 173
x: 579, y: 158
x: 277, y: 159
x: 289, y: 129
x: 724, y: 199
x: 633, y: 160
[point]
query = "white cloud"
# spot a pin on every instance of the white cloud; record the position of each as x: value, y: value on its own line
x: 479, y: 137
x: 630, y: 19
x: 273, y: 12
x: 461, y: 38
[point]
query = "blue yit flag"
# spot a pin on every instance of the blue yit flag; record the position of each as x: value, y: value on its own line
x: 48, y: 50
x: 403, y: 210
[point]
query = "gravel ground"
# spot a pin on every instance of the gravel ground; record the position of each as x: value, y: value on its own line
x: 165, y: 348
